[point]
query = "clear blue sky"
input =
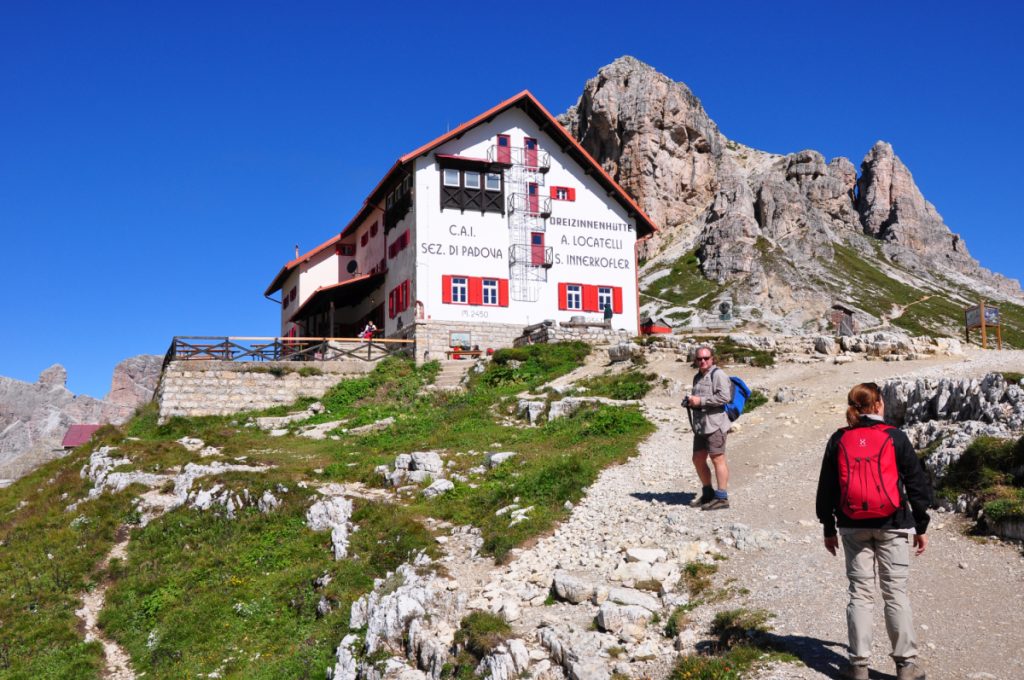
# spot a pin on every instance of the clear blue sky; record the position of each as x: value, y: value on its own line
x: 160, y: 160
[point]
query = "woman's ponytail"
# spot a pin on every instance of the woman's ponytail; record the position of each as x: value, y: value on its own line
x: 862, y: 399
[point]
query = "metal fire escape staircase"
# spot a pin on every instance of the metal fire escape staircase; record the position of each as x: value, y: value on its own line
x: 527, y: 210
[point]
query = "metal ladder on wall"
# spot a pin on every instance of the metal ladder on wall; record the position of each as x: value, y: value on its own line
x: 527, y: 217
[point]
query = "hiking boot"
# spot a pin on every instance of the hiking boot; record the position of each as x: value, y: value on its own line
x: 851, y: 672
x: 909, y: 670
x: 716, y: 504
x: 704, y: 497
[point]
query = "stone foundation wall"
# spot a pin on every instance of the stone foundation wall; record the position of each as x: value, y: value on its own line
x: 433, y: 337
x: 214, y: 388
x: 592, y: 334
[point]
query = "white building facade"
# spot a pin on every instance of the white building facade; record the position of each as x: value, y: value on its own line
x: 501, y: 223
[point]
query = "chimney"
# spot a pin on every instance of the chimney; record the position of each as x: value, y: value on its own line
x: 296, y: 251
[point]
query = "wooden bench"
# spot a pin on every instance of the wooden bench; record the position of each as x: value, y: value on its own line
x: 460, y: 353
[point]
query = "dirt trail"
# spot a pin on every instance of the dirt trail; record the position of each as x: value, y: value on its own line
x: 966, y: 593
x: 118, y: 665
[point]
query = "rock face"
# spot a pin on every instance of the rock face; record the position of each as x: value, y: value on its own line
x: 35, y: 416
x: 764, y: 224
x: 134, y: 381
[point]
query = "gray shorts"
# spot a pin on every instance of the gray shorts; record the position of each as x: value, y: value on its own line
x: 713, y: 443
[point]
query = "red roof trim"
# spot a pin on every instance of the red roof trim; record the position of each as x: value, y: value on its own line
x: 556, y: 130
x: 454, y: 157
x: 333, y: 286
x: 278, y: 281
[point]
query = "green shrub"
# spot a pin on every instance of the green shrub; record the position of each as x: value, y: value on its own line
x: 735, y: 625
x: 696, y: 577
x: 986, y: 463
x: 628, y: 385
x: 757, y: 398
x: 532, y: 365
x: 481, y: 632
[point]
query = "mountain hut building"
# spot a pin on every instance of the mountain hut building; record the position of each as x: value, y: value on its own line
x: 503, y: 222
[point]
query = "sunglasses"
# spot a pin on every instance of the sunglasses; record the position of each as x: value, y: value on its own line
x: 703, y: 358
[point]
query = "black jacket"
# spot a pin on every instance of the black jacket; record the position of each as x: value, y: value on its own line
x: 915, y: 488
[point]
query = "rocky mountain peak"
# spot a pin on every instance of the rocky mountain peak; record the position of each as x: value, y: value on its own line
x: 34, y: 417
x: 54, y: 376
x: 764, y: 226
x: 652, y: 135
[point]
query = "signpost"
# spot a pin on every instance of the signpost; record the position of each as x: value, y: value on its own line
x: 983, y: 316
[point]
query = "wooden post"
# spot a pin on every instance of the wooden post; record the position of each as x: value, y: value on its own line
x: 984, y: 342
x: 999, y: 334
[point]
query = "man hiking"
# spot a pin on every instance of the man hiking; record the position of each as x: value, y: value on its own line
x: 711, y: 391
x: 873, y: 487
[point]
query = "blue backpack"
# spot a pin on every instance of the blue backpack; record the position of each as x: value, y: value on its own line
x: 740, y: 394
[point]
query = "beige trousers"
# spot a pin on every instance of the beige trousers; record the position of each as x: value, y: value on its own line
x: 889, y: 552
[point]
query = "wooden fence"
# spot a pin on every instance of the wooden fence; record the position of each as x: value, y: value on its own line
x: 223, y: 348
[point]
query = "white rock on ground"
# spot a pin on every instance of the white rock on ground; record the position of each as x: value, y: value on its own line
x: 332, y: 514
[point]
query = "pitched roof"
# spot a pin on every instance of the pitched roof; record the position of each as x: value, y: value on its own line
x: 526, y: 101
x: 78, y: 435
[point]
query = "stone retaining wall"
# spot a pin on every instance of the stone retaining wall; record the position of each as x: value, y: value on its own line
x: 433, y: 337
x: 593, y: 334
x: 213, y: 388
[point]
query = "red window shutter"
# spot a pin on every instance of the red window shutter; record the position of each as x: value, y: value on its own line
x: 405, y: 239
x: 617, y: 300
x: 405, y: 295
x: 563, y: 296
x: 503, y: 292
x: 572, y: 194
x: 590, y: 299
x: 554, y: 192
x: 476, y: 290
x: 446, y: 289
x: 391, y: 305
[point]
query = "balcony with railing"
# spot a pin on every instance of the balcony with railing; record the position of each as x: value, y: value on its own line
x: 531, y: 205
x: 532, y: 159
x: 531, y: 256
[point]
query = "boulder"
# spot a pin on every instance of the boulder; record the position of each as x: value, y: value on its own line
x: 571, y: 588
x: 629, y: 622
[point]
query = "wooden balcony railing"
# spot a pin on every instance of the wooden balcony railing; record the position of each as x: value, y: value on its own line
x: 224, y: 348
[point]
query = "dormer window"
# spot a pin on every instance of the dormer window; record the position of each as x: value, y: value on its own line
x: 468, y: 184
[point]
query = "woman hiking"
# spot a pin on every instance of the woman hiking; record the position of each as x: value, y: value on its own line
x: 873, y: 488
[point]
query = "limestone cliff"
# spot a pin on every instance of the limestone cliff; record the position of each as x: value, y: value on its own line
x: 35, y: 416
x: 768, y: 229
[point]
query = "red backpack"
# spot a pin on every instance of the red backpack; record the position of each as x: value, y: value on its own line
x: 868, y: 476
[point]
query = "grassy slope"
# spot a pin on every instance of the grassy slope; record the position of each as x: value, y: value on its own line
x: 200, y: 593
x: 929, y: 310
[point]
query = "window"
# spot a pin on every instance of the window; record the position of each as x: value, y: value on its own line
x: 470, y: 186
x: 563, y: 193
x: 364, y: 239
x: 373, y: 229
x: 390, y: 201
x: 574, y: 297
x: 588, y: 298
x: 291, y: 296
x: 490, y: 291
x: 460, y: 287
x: 346, y: 249
x: 474, y: 290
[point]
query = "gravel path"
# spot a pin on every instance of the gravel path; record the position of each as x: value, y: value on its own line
x: 967, y: 594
